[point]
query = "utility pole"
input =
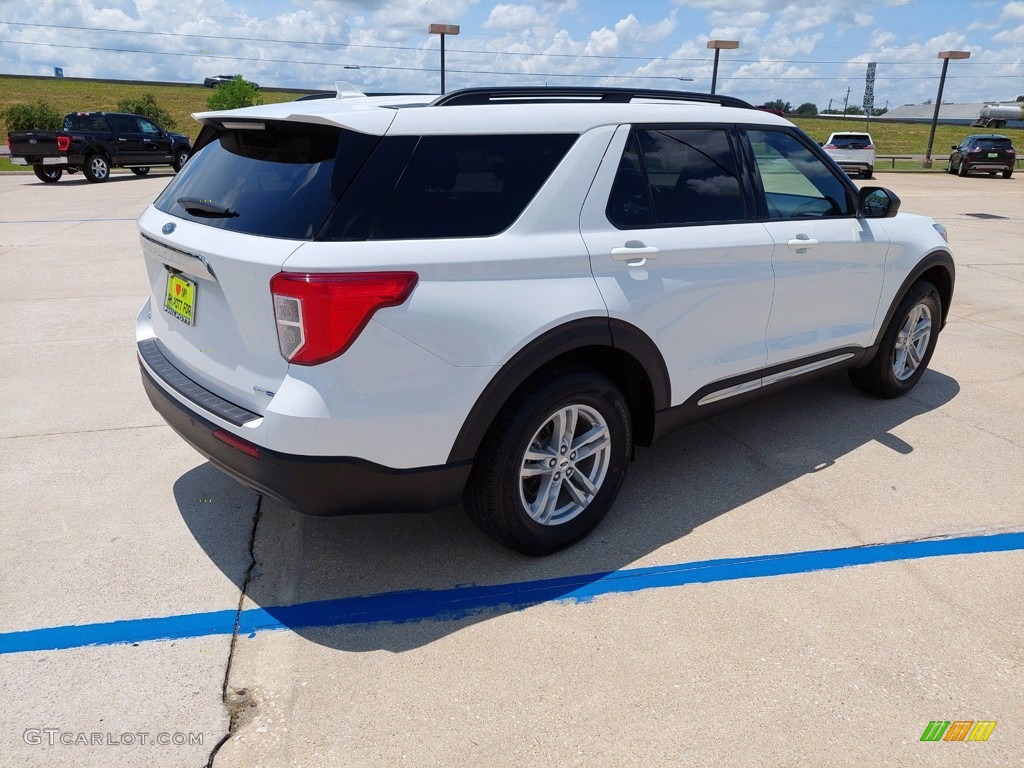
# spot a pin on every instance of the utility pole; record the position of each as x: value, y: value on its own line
x: 846, y: 103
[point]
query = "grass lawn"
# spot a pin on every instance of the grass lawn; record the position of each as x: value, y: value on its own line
x: 66, y: 95
x: 901, y: 138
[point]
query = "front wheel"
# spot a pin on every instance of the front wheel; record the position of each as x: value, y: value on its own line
x: 140, y: 171
x: 48, y: 173
x: 906, y: 347
x: 553, y: 462
x: 96, y: 168
x: 180, y: 157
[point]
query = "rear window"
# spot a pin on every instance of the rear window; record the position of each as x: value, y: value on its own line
x: 994, y: 144
x: 281, y: 181
x: 851, y: 141
x: 468, y: 186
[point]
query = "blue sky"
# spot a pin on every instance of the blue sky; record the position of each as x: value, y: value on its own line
x: 795, y: 50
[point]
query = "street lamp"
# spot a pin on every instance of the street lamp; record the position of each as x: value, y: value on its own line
x: 718, y: 45
x: 442, y: 30
x: 945, y: 56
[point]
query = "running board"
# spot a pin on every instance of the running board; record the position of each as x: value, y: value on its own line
x: 775, y: 378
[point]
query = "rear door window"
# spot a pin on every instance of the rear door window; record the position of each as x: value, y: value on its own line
x: 468, y: 186
x: 85, y: 123
x: 674, y: 177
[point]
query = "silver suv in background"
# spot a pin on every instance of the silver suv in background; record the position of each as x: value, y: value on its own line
x: 854, y: 152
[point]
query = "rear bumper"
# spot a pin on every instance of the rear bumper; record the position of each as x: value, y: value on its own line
x: 854, y: 165
x: 988, y: 165
x: 39, y: 161
x: 314, y: 485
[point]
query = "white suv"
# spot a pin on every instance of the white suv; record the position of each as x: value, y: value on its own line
x: 853, y: 151
x: 391, y: 303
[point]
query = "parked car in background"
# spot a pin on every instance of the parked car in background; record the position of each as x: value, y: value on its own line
x: 213, y: 82
x: 854, y: 151
x: 986, y: 152
x: 95, y: 142
x: 360, y: 307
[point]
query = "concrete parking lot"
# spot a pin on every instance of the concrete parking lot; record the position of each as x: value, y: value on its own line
x: 810, y: 580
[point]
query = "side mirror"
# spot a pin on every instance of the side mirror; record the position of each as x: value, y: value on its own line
x: 821, y: 143
x: 877, y: 203
x: 953, y: 146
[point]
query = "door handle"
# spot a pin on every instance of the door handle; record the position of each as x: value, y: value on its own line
x: 635, y: 253
x: 120, y: 139
x: 801, y: 243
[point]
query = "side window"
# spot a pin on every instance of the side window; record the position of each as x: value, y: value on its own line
x: 122, y: 123
x: 675, y: 177
x: 468, y: 186
x: 146, y: 126
x: 797, y: 184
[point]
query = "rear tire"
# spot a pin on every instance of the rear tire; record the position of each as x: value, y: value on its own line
x: 49, y: 174
x: 906, y: 346
x: 1008, y: 174
x: 869, y: 172
x: 961, y: 170
x: 553, y: 462
x: 96, y: 168
x: 140, y: 171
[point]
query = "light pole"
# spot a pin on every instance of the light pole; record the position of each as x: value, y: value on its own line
x: 945, y: 56
x: 718, y: 45
x: 442, y: 30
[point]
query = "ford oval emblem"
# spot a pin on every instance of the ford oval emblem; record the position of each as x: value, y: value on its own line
x: 168, y: 228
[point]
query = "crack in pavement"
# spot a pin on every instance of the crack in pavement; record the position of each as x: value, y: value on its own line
x: 234, y: 701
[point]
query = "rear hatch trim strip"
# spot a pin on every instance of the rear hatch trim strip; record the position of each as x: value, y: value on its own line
x: 184, y: 386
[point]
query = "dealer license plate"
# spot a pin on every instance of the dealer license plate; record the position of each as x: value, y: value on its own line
x: 181, y: 298
x: 993, y: 154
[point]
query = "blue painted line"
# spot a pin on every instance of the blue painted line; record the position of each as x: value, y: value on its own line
x: 462, y: 602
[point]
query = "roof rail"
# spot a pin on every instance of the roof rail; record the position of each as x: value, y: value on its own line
x: 583, y: 94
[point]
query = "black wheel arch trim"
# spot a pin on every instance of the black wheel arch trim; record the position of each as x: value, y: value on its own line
x: 934, y: 259
x: 548, y: 347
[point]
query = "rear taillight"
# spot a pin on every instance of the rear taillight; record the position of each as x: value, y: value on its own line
x: 831, y: 146
x: 10, y: 148
x: 870, y: 146
x: 320, y: 315
x: 63, y: 142
x: 972, y: 150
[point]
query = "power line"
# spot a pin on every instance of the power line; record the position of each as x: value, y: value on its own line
x: 668, y: 59
x: 460, y: 71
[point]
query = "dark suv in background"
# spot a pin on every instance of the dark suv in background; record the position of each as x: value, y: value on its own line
x: 987, y: 152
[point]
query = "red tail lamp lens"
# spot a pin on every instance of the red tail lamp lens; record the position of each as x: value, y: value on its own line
x: 320, y: 315
x: 63, y: 142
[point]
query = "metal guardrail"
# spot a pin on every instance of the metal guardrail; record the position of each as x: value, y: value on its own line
x: 937, y: 160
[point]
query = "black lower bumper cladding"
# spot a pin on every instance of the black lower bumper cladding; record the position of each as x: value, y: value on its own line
x: 315, y: 485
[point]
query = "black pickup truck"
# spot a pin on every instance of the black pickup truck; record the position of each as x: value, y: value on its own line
x: 95, y: 142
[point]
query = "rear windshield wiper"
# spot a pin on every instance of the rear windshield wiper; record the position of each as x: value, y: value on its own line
x: 199, y: 207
